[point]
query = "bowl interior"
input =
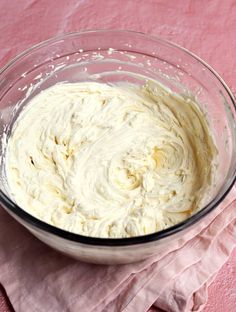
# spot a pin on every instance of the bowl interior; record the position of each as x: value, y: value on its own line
x: 119, y: 56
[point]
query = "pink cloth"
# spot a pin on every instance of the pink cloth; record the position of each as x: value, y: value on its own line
x: 35, y: 282
x: 37, y: 278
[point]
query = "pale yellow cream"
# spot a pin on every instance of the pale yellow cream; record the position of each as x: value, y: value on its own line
x: 110, y: 161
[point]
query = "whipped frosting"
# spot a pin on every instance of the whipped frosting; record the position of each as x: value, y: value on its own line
x: 110, y: 160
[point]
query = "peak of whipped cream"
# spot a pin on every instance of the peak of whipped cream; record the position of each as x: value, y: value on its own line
x: 110, y: 161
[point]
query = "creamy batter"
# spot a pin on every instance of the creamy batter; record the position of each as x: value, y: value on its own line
x: 110, y: 161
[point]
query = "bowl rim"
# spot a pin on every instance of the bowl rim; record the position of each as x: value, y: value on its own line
x: 97, y: 241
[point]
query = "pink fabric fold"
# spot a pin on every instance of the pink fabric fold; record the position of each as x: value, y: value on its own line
x: 38, y: 278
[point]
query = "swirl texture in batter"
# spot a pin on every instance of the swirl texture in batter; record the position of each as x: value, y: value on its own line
x: 110, y: 161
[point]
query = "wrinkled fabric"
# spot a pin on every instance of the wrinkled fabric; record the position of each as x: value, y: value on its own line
x: 38, y: 278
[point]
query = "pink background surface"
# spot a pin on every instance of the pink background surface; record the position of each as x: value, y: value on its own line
x: 207, y: 28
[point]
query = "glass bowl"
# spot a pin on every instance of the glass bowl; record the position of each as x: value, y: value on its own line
x: 118, y: 56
